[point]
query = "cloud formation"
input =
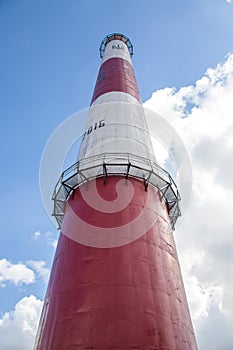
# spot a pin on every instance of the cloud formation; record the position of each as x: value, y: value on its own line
x: 202, y: 115
x: 22, y: 273
x: 36, y: 235
x: 49, y: 237
x: 18, y: 327
x: 51, y: 241
x: 40, y: 269
x: 15, y: 273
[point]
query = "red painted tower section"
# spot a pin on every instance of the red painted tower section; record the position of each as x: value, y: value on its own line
x: 109, y: 291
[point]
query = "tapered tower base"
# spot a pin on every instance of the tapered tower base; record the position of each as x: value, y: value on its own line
x: 128, y: 297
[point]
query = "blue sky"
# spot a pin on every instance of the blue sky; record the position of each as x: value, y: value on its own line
x: 49, y: 63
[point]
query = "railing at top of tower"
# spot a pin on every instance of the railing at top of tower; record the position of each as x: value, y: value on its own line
x: 115, y: 36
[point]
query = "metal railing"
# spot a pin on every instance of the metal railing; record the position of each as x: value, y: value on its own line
x: 115, y: 36
x: 110, y: 164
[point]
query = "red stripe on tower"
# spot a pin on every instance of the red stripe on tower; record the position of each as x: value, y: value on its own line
x: 116, y: 74
x: 116, y: 281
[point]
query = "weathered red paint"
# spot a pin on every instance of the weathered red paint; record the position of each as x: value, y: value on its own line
x: 116, y: 74
x: 129, y: 297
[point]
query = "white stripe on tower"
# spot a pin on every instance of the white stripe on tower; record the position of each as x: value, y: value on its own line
x: 116, y: 122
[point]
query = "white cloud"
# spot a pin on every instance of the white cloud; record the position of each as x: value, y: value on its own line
x: 18, y: 327
x: 36, y: 234
x: 202, y: 115
x: 229, y: 1
x: 39, y: 267
x: 48, y: 236
x: 22, y: 273
x: 15, y: 273
x: 51, y: 240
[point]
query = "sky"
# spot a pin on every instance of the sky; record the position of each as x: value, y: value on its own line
x: 183, y: 61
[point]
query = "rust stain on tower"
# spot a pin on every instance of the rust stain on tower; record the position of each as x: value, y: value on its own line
x: 116, y: 280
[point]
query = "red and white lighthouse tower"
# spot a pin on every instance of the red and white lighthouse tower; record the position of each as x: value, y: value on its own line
x: 116, y: 281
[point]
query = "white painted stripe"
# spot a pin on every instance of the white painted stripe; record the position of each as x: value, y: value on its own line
x: 115, y: 96
x: 116, y: 48
x: 116, y: 126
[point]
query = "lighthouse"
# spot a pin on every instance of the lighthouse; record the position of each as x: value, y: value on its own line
x: 116, y: 282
